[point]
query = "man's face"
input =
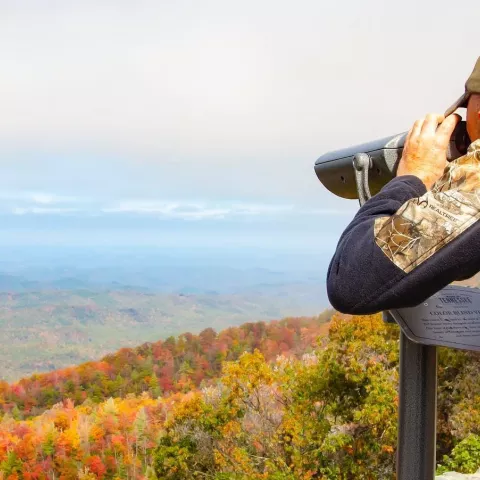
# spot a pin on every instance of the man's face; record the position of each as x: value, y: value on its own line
x: 473, y: 117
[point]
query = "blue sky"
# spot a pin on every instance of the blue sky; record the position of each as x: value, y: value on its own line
x: 197, y: 123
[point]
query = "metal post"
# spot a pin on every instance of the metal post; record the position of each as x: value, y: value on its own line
x: 417, y: 411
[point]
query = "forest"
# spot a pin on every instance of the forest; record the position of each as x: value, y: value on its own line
x: 301, y: 398
x: 175, y: 364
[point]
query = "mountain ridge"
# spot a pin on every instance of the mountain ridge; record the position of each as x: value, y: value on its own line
x: 176, y: 364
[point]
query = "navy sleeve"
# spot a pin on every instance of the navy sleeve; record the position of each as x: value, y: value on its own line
x: 362, y: 279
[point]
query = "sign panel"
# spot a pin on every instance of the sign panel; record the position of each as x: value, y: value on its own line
x: 450, y: 318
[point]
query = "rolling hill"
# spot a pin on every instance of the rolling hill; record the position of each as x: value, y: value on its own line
x: 66, y: 307
x: 177, y: 364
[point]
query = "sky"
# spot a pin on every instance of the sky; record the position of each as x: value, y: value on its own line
x: 197, y: 123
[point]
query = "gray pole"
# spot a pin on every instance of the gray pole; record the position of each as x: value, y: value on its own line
x: 417, y: 411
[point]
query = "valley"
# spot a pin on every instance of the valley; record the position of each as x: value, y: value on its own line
x: 65, y: 310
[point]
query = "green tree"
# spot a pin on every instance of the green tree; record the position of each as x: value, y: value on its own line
x: 464, y: 458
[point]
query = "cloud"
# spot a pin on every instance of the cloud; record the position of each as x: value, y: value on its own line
x: 45, y: 211
x: 43, y: 198
x: 49, y: 198
x: 41, y: 203
x: 53, y: 204
x: 195, y: 211
x: 167, y: 209
x: 40, y: 198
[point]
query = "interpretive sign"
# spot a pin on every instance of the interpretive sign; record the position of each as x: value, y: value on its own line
x: 450, y: 318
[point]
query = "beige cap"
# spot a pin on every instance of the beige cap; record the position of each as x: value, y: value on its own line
x: 472, y: 86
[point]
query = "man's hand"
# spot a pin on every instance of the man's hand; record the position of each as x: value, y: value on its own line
x: 425, y: 151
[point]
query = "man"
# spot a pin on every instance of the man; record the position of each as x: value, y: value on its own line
x: 421, y: 231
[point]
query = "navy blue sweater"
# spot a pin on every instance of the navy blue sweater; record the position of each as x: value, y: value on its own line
x: 365, y: 278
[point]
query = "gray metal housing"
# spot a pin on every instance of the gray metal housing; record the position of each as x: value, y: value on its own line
x: 335, y: 169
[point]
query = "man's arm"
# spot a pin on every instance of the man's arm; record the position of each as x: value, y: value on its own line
x: 408, y: 242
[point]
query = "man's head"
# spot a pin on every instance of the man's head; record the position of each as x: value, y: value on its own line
x: 473, y: 117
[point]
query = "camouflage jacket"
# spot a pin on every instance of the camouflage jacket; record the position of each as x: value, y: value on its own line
x: 406, y: 243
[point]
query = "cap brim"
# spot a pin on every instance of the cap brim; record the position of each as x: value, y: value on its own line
x: 460, y: 103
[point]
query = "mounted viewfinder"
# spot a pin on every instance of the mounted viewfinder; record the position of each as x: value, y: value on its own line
x: 335, y: 169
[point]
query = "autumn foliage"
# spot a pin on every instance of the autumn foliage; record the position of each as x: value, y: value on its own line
x: 172, y: 365
x: 327, y: 413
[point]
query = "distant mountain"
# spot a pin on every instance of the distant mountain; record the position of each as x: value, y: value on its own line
x: 172, y: 365
x: 159, y: 279
x: 47, y: 329
x: 15, y: 283
x: 64, y: 306
x: 60, y: 312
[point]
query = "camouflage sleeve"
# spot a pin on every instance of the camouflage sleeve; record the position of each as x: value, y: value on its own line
x: 426, y: 224
x: 405, y: 243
